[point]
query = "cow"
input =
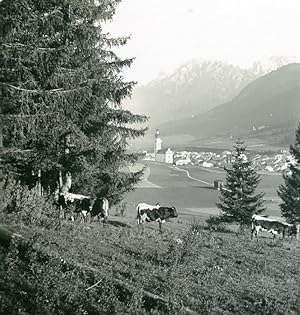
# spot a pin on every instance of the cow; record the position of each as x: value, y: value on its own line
x: 82, y: 205
x: 159, y: 215
x: 144, y: 206
x: 262, y: 223
x: 100, y: 209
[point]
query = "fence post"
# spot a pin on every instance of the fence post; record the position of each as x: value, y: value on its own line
x: 1, y: 137
x: 39, y: 185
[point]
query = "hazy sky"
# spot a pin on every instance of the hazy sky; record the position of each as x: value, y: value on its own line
x: 166, y: 33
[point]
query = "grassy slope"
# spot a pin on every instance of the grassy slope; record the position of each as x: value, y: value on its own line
x: 184, y: 269
x: 209, y: 273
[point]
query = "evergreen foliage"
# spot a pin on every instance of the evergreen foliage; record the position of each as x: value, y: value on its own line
x: 238, y: 199
x: 61, y: 95
x: 290, y: 191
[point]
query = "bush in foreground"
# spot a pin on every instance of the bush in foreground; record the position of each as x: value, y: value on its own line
x: 21, y: 205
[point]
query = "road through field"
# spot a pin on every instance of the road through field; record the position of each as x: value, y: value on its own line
x: 191, y: 177
x: 145, y: 183
x: 190, y: 190
x: 168, y: 185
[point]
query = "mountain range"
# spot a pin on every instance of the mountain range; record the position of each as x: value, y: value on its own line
x: 192, y: 89
x: 270, y: 103
x: 211, y: 98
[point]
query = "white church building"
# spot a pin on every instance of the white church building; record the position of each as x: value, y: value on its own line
x: 162, y: 155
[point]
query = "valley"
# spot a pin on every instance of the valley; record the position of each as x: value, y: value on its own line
x: 262, y: 107
x: 191, y: 198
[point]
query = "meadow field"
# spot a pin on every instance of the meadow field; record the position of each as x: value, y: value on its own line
x: 194, y: 197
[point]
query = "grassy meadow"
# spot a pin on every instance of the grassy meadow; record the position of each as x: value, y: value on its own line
x: 120, y: 268
x: 193, y: 199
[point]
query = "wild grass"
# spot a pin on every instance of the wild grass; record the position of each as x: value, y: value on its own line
x: 105, y: 269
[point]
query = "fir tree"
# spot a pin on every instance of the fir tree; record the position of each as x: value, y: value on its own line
x: 238, y: 199
x: 61, y: 95
x: 290, y: 191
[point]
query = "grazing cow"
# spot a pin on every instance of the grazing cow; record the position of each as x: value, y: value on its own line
x: 83, y: 204
x: 100, y: 209
x: 144, y: 206
x: 273, y: 226
x: 83, y: 207
x: 159, y: 215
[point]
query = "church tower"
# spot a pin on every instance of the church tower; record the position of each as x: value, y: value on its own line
x: 157, y: 143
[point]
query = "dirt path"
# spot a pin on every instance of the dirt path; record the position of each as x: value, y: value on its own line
x: 191, y: 177
x: 145, y: 183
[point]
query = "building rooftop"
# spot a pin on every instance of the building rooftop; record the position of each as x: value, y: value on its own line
x: 163, y: 151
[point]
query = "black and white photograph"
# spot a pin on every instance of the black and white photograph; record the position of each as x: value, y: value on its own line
x: 149, y: 157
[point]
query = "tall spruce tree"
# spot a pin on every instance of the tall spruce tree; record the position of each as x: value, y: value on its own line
x: 290, y: 191
x: 238, y: 199
x: 61, y: 95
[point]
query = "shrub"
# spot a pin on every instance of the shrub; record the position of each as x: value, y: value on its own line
x: 19, y: 204
x: 215, y: 223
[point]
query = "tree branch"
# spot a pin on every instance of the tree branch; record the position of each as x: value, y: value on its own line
x: 52, y: 91
x: 26, y: 115
x: 19, y: 45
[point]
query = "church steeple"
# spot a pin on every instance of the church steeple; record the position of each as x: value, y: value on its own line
x: 157, y: 134
x: 157, y: 143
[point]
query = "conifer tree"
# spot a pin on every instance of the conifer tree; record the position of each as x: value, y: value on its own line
x: 290, y: 191
x: 61, y: 95
x: 238, y: 199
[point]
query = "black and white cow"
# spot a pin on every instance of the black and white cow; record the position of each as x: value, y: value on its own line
x: 159, y: 215
x: 144, y: 206
x: 100, y: 209
x: 83, y: 207
x: 76, y: 203
x: 261, y: 223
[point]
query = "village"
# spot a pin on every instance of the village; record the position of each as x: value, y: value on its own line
x: 278, y: 162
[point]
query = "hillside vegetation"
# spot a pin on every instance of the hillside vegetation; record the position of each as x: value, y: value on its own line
x: 121, y: 269
x: 54, y: 266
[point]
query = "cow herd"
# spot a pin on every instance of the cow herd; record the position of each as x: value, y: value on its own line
x: 88, y: 209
